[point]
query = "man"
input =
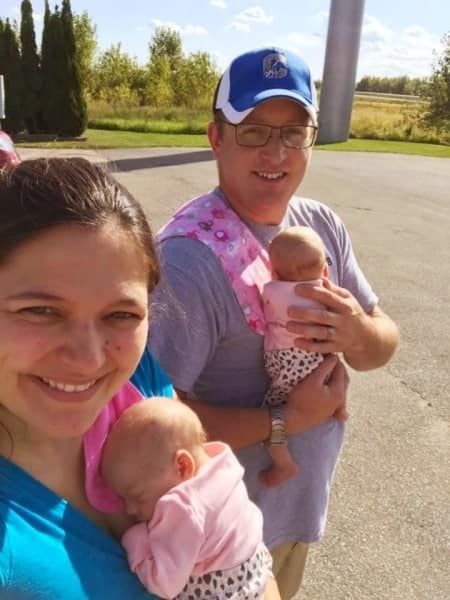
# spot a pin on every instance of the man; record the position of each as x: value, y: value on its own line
x: 265, y: 122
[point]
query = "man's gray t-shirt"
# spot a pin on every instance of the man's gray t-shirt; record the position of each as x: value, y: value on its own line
x: 200, y: 337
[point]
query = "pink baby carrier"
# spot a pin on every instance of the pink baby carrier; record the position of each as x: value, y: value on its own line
x: 211, y: 221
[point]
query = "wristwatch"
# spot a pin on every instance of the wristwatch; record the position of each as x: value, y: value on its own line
x: 278, y: 436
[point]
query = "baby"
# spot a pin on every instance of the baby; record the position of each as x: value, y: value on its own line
x: 297, y: 256
x: 197, y: 533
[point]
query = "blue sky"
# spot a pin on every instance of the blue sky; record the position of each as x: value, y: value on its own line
x: 398, y: 35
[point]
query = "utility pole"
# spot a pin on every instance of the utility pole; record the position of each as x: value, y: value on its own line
x: 339, y: 72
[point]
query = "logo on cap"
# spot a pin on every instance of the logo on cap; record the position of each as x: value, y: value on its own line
x: 275, y: 66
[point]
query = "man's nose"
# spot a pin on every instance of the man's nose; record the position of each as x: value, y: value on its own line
x: 275, y: 150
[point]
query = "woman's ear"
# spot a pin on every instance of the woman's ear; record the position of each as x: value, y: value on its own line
x: 184, y: 464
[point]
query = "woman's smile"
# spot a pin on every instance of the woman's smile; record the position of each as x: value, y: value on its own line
x: 68, y: 392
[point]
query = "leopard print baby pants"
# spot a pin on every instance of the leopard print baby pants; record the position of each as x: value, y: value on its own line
x: 247, y: 581
x: 286, y: 368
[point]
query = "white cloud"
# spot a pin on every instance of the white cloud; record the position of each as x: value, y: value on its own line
x: 182, y: 30
x: 385, y: 52
x: 218, y: 3
x: 254, y: 14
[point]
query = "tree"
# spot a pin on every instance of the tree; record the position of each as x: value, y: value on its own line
x: 438, y: 110
x: 117, y: 77
x: 10, y: 67
x: 166, y: 42
x: 176, y: 79
x: 52, y: 70
x: 31, y: 71
x: 166, y: 57
x: 73, y: 109
x: 159, y: 89
x: 86, y: 46
x: 196, y: 81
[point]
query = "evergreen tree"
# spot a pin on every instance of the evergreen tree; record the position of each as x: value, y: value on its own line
x: 64, y: 105
x: 30, y: 69
x: 10, y: 67
x: 52, y: 73
x: 73, y: 109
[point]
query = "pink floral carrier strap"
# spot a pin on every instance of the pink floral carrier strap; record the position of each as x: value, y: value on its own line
x: 245, y: 262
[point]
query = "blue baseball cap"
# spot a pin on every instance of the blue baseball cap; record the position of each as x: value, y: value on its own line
x: 260, y: 75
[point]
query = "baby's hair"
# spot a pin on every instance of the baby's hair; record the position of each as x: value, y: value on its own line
x: 297, y: 254
x: 154, y: 429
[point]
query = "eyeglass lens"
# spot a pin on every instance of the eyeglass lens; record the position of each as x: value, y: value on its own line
x: 293, y: 136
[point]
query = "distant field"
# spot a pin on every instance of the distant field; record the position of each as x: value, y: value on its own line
x: 395, y: 120
x: 380, y: 118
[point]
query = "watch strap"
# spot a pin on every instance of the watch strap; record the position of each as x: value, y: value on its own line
x: 278, y: 436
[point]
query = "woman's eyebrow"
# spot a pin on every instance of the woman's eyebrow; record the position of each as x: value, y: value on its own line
x: 34, y: 295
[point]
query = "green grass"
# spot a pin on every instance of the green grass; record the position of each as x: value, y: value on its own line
x: 416, y: 148
x: 98, y: 139
x: 149, y: 126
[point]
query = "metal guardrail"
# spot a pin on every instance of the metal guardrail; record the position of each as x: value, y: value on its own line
x: 402, y: 97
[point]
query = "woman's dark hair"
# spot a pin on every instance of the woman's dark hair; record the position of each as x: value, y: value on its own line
x: 38, y: 195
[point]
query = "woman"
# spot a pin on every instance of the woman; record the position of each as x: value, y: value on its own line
x: 77, y: 262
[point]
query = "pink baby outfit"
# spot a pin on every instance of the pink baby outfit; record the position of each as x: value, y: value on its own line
x: 286, y: 364
x: 205, y: 537
x: 209, y: 220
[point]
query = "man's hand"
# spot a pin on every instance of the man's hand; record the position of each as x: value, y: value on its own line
x: 366, y: 340
x: 334, y: 328
x: 318, y: 397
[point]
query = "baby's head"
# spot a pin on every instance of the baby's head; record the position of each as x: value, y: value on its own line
x: 155, y: 445
x: 298, y: 254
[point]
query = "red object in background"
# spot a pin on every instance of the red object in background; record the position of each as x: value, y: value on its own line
x: 8, y: 154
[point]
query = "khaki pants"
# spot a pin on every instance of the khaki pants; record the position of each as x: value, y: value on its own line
x: 288, y: 565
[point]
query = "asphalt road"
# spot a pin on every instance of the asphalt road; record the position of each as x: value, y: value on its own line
x: 388, y: 535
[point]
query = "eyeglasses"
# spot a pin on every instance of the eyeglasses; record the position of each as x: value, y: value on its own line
x: 254, y: 135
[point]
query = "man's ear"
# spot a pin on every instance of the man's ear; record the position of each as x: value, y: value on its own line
x: 184, y: 464
x: 214, y: 137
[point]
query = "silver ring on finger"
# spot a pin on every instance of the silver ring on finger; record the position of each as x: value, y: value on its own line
x: 330, y: 333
